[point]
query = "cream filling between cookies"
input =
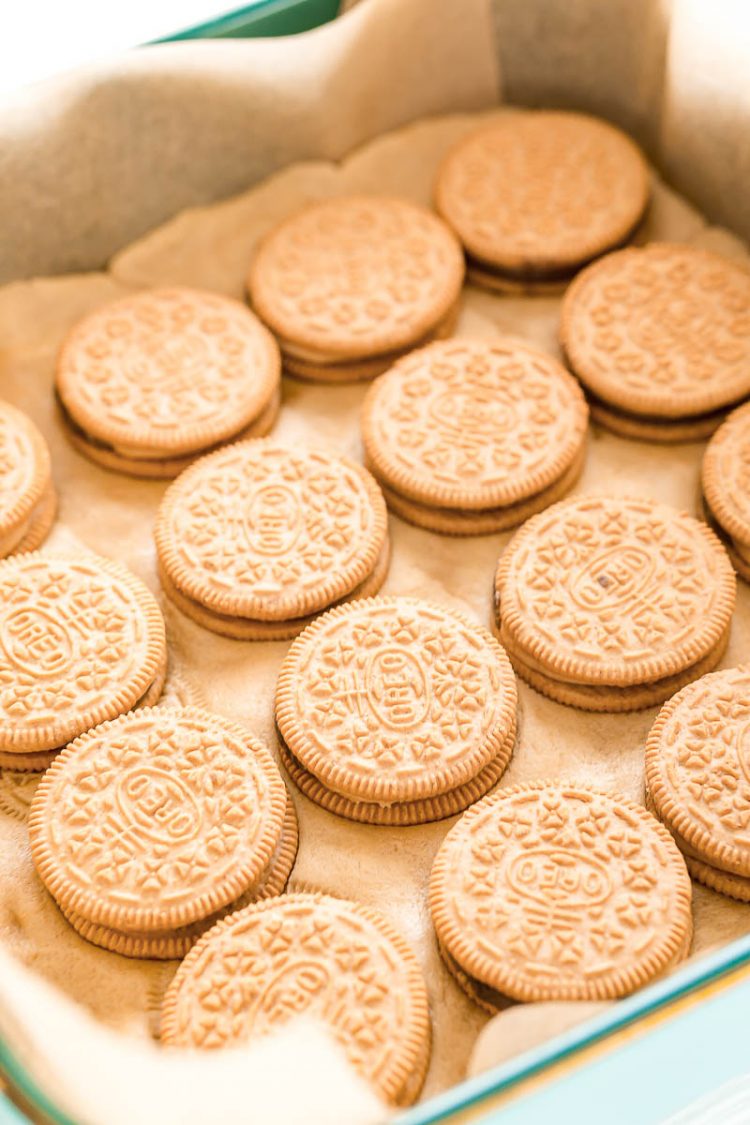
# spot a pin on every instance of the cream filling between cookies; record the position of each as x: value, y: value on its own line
x: 369, y: 585
x: 17, y: 534
x: 554, y: 274
x: 154, y: 453
x: 332, y: 359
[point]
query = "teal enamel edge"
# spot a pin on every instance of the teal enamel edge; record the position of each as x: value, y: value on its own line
x: 693, y: 977
x: 24, y: 1085
x: 262, y: 18
x: 467, y: 1094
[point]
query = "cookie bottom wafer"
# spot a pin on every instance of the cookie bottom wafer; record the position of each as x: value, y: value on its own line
x: 247, y: 629
x: 718, y: 879
x: 607, y: 698
x: 484, y: 278
x: 358, y: 371
x: 739, y: 553
x: 400, y: 814
x: 38, y: 760
x: 452, y: 521
x: 663, y: 430
x: 492, y: 1002
x: 158, y: 468
x: 170, y: 946
x: 550, y: 283
x: 39, y: 524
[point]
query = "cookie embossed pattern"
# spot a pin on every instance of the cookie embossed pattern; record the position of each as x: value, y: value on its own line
x: 394, y: 711
x: 536, y: 195
x: 257, y: 538
x: 155, y: 821
x: 349, y: 284
x: 698, y: 777
x: 28, y: 500
x: 559, y: 892
x: 660, y: 338
x: 468, y: 436
x: 81, y: 640
x: 335, y: 961
x: 725, y: 480
x: 613, y: 605
x: 150, y: 382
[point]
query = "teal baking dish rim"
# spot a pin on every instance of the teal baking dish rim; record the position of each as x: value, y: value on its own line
x: 25, y: 1096
x: 471, y: 1093
x: 260, y: 19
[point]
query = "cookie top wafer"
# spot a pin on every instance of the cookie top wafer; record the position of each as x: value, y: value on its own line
x: 81, y: 641
x: 662, y: 330
x: 539, y: 192
x: 356, y: 276
x: 473, y: 424
x: 156, y: 819
x: 698, y: 767
x: 24, y: 472
x: 306, y: 954
x: 167, y: 371
x: 614, y: 591
x: 265, y: 531
x: 393, y: 699
x: 559, y: 892
x: 725, y: 475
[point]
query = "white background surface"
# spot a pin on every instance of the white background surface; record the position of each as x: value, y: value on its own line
x: 39, y: 38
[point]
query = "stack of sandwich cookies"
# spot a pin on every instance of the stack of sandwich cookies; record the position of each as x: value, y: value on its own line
x: 83, y: 642
x: 551, y: 891
x: 349, y: 284
x: 725, y: 479
x: 393, y: 711
x: 145, y: 829
x: 310, y: 955
x: 536, y: 195
x: 468, y: 437
x: 28, y: 501
x: 660, y: 338
x: 148, y: 383
x: 613, y: 605
x: 698, y: 778
x: 257, y: 539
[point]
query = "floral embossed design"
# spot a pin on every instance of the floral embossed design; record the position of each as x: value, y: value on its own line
x: 17, y: 788
x: 264, y: 526
x: 609, y: 583
x: 158, y: 809
x: 392, y: 692
x: 555, y: 887
x: 155, y: 368
x: 726, y: 475
x: 698, y: 764
x: 662, y: 330
x: 17, y: 460
x: 362, y: 273
x: 73, y: 636
x: 552, y: 188
x: 474, y: 423
x: 24, y: 467
x: 305, y: 955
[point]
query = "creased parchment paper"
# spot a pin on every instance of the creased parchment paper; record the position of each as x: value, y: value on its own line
x: 385, y: 867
